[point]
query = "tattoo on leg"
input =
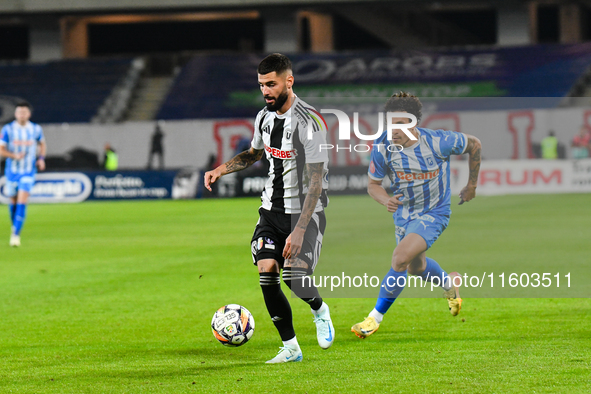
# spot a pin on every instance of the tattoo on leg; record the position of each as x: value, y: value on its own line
x: 297, y: 263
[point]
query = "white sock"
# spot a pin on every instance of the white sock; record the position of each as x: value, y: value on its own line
x: 376, y: 315
x: 320, y: 310
x: 292, y: 343
x: 446, y: 285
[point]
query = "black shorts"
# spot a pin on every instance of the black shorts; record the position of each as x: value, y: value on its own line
x: 273, y: 229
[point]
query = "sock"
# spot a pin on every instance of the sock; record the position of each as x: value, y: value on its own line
x: 293, y: 343
x: 390, y: 290
x: 277, y: 304
x: 12, y: 211
x: 434, y: 270
x: 377, y: 315
x: 302, y: 287
x: 19, y: 218
x: 318, y: 312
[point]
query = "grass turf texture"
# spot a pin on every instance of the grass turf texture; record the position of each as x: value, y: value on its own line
x: 118, y: 297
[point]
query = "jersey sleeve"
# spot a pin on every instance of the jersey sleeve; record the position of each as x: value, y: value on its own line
x: 4, y: 136
x: 40, y: 135
x: 451, y: 142
x: 377, y: 163
x: 313, y: 145
x: 257, y: 138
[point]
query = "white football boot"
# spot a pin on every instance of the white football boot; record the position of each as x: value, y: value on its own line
x: 287, y: 354
x: 324, y: 327
x: 15, y: 240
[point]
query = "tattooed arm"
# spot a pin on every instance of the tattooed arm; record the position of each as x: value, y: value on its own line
x: 473, y: 149
x: 293, y: 244
x: 237, y: 163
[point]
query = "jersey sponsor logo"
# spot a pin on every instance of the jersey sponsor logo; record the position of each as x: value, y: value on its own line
x: 417, y: 176
x: 281, y: 154
x: 428, y: 218
x: 269, y: 243
x: 23, y: 142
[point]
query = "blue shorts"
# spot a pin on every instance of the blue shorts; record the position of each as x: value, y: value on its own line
x: 429, y: 226
x: 20, y: 182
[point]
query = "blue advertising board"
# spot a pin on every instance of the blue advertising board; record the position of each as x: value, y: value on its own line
x: 66, y: 187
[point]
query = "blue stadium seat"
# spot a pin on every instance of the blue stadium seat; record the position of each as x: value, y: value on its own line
x: 63, y: 91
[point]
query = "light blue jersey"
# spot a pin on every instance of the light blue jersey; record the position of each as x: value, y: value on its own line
x: 420, y: 172
x: 19, y: 139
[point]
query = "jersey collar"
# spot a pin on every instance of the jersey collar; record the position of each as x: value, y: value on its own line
x: 17, y: 124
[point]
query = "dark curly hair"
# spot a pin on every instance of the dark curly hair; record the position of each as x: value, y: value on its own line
x: 404, y: 101
x: 274, y: 62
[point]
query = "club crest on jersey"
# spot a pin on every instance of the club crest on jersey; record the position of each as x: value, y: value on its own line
x: 281, y: 154
x: 430, y: 161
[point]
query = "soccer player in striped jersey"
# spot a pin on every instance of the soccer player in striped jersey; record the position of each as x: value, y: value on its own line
x: 419, y: 174
x: 18, y: 143
x: 288, y: 235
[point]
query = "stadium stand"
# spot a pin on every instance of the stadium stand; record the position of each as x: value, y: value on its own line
x: 64, y: 91
x: 222, y: 86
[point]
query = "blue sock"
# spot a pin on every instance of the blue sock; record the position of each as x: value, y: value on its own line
x: 433, y: 270
x: 390, y: 290
x: 19, y: 218
x: 12, y: 211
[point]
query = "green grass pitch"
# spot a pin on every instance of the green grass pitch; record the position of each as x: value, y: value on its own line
x: 118, y: 298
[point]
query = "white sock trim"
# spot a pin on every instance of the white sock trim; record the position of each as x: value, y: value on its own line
x: 293, y: 343
x: 377, y: 315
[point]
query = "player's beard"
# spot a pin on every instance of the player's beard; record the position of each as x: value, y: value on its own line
x: 279, y: 101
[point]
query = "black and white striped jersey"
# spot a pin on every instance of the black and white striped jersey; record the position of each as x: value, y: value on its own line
x: 288, y: 148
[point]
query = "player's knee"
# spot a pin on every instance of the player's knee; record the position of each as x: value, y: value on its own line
x: 268, y: 265
x: 401, y: 260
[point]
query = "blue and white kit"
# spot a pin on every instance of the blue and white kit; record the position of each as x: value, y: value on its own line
x: 421, y: 173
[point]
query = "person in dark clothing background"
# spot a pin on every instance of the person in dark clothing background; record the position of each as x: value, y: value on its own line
x: 156, y: 147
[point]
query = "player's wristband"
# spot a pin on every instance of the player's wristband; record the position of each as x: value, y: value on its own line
x: 41, y: 158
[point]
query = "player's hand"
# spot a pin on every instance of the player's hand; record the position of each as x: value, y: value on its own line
x: 293, y: 244
x: 19, y: 156
x: 211, y: 177
x: 467, y: 193
x: 41, y: 164
x: 393, y: 203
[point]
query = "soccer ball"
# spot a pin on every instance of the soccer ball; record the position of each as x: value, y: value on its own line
x: 232, y: 325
